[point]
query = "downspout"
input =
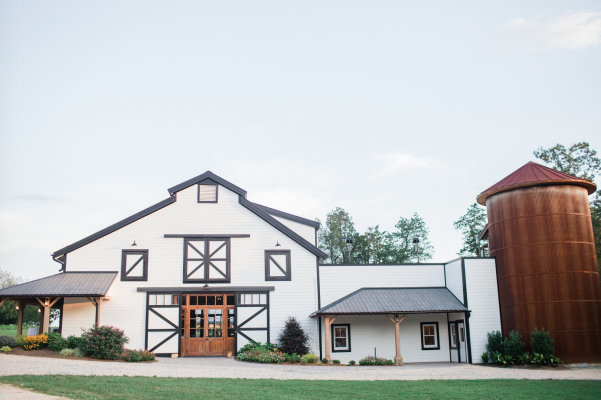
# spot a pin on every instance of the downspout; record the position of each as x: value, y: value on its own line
x: 62, y: 263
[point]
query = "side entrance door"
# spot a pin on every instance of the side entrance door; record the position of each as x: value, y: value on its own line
x: 462, y: 342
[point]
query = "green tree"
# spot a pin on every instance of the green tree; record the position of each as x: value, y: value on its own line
x: 371, y: 247
x: 401, y: 247
x: 8, y: 311
x: 470, y: 225
x: 332, y: 236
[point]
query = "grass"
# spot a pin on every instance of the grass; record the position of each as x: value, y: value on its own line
x: 113, y: 387
x: 9, y: 332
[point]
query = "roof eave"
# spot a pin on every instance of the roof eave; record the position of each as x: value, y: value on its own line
x: 589, y: 186
x: 204, y: 176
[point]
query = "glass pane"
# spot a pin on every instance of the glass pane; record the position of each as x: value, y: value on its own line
x: 192, y: 300
x: 202, y: 300
x: 230, y: 300
x: 210, y: 300
x: 182, y: 323
x: 219, y: 300
x: 248, y: 299
x: 152, y: 300
x: 256, y: 299
x: 167, y: 300
x: 160, y: 299
x: 184, y: 299
x: 429, y: 341
x: 263, y: 299
x: 340, y: 343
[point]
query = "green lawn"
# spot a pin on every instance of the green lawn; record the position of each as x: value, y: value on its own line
x: 110, y: 387
x: 9, y: 332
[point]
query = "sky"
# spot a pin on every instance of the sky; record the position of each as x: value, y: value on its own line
x: 383, y: 108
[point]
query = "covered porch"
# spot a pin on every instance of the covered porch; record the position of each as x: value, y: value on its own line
x: 391, y: 323
x: 50, y: 292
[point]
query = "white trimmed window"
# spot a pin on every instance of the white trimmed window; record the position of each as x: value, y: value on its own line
x: 246, y: 299
x: 453, y: 336
x: 341, y: 337
x: 208, y: 192
x: 430, y: 336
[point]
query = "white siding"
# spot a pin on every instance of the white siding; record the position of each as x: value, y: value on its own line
x: 305, y: 231
x: 483, y: 301
x: 127, y: 307
x: 455, y: 279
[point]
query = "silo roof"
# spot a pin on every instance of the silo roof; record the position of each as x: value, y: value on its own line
x: 533, y: 174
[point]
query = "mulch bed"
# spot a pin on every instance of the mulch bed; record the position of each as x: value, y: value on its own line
x: 55, y: 354
x: 560, y: 367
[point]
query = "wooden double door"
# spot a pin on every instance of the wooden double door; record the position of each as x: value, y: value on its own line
x: 208, y: 324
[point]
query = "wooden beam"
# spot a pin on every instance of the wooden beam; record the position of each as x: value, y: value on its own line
x: 328, y: 322
x: 54, y: 302
x: 396, y: 320
x: 40, y: 301
x: 22, y: 304
x: 4, y: 300
x: 98, y: 303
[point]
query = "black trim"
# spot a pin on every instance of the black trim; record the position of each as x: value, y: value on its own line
x: 348, y: 332
x: 467, y: 314
x: 269, y: 260
x: 454, y: 323
x: 210, y: 176
x: 165, y: 340
x: 233, y: 235
x: 114, y: 227
x: 318, y: 302
x: 144, y: 259
x: 204, y: 258
x: 281, y: 227
x: 200, y: 290
x: 288, y: 216
x: 208, y: 184
x: 449, y: 335
x: 240, y: 325
x: 421, y: 328
x: 163, y: 318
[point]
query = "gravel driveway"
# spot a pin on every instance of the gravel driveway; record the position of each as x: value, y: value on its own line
x: 229, y: 368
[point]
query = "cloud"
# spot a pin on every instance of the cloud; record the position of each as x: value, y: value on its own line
x: 570, y: 31
x: 401, y: 161
x: 40, y: 198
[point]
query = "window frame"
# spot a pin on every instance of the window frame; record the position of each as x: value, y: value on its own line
x: 124, y: 276
x: 348, y: 338
x: 207, y: 267
x: 288, y: 272
x: 207, y: 184
x: 436, y: 336
x: 453, y: 325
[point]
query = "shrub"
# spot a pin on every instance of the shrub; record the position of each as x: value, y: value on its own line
x: 9, y: 341
x: 336, y: 361
x: 294, y: 358
x: 351, y: 363
x: 501, y: 359
x: 484, y: 357
x: 73, y: 342
x: 35, y: 342
x: 71, y: 353
x: 263, y: 356
x: 513, y: 346
x: 6, y: 349
x: 139, y: 355
x: 309, y: 358
x: 495, y: 342
x: 105, y: 342
x: 324, y: 361
x: 541, y: 342
x: 526, y: 358
x: 56, y: 342
x: 251, y: 346
x: 293, y: 339
x: 20, y: 340
x: 370, y: 360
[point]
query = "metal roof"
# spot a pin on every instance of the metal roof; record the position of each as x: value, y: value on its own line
x: 66, y: 284
x: 395, y: 301
x: 533, y: 174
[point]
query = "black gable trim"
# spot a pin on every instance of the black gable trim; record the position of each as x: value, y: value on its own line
x: 205, y: 177
x: 287, y: 216
x: 281, y: 227
x: 114, y: 227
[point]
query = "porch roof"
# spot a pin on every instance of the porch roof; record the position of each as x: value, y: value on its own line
x: 394, y: 301
x: 66, y: 284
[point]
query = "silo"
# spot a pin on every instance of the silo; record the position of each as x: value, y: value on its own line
x: 540, y: 231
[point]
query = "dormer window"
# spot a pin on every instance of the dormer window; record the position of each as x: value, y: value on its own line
x: 208, y: 192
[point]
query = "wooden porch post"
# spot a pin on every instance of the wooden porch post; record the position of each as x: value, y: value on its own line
x: 328, y: 322
x: 45, y: 317
x: 22, y: 304
x: 98, y: 301
x: 398, y: 360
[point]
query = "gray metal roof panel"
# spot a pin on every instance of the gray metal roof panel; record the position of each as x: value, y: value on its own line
x: 395, y: 300
x: 66, y: 284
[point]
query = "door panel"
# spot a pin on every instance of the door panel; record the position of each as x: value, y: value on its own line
x: 209, y: 324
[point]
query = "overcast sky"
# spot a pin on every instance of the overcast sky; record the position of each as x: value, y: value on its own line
x: 384, y: 108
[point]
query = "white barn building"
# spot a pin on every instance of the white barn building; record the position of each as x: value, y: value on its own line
x: 206, y: 271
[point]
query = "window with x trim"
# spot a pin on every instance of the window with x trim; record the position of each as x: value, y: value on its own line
x: 277, y: 265
x: 134, y: 265
x: 207, y: 260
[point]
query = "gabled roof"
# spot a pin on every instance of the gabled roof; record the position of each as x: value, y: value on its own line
x: 394, y: 301
x: 67, y: 284
x: 207, y: 176
x: 290, y: 217
x: 533, y: 174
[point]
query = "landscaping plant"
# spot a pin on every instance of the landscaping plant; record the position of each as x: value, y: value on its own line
x: 35, y: 342
x: 139, y: 355
x: 484, y: 357
x: 371, y: 360
x: 513, y: 346
x: 105, y: 342
x: 20, y: 340
x: 262, y: 356
x: 56, y: 342
x: 309, y: 359
x: 351, y: 363
x: 495, y: 342
x: 6, y: 349
x: 71, y: 353
x: 293, y: 339
x: 293, y: 358
x: 73, y: 342
x: 324, y: 360
x: 336, y: 361
x: 542, y: 344
x: 526, y: 358
x: 8, y: 341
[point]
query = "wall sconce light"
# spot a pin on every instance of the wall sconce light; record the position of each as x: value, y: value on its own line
x: 39, y: 310
x: 206, y: 286
x: 46, y: 303
x: 17, y: 307
x: 278, y: 244
x: 134, y: 244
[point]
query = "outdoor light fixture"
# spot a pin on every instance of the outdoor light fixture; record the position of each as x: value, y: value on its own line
x: 349, y: 242
x: 278, y: 244
x: 39, y: 310
x: 17, y: 307
x: 416, y: 247
x: 134, y: 244
x: 206, y: 286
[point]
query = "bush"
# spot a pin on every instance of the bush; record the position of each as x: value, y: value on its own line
x: 73, y: 342
x: 293, y: 339
x: 6, y: 349
x: 263, y: 356
x: 541, y: 342
x: 370, y: 360
x: 324, y: 361
x: 336, y: 361
x: 294, y: 358
x: 309, y: 358
x: 105, y: 342
x: 513, y: 346
x: 35, y: 342
x: 495, y: 342
x: 501, y: 359
x: 484, y: 357
x: 352, y: 362
x: 56, y: 342
x: 252, y: 346
x: 71, y: 353
x: 526, y: 358
x: 139, y: 355
x: 9, y: 341
x: 20, y: 340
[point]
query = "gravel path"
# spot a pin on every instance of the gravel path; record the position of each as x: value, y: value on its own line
x: 8, y: 392
x: 229, y: 368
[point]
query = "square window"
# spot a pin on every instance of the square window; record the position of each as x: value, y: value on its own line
x: 134, y: 265
x: 430, y: 336
x: 206, y: 260
x: 341, y: 338
x: 208, y: 192
x: 277, y: 265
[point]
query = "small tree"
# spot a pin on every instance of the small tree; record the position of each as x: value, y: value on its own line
x: 293, y: 338
x: 495, y: 342
x: 542, y: 342
x: 513, y: 345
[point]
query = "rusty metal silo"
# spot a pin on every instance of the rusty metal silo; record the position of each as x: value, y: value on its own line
x: 540, y: 231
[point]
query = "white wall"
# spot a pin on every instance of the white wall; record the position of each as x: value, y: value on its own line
x: 305, y: 231
x: 455, y: 279
x: 483, y: 301
x: 127, y: 307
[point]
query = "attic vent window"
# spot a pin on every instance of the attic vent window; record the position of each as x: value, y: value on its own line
x: 207, y: 192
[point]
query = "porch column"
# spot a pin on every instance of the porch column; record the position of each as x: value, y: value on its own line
x: 45, y: 317
x: 328, y: 322
x: 20, y: 312
x: 396, y: 320
x: 98, y: 301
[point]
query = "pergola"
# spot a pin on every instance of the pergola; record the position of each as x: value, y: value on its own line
x: 395, y: 304
x: 51, y: 291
